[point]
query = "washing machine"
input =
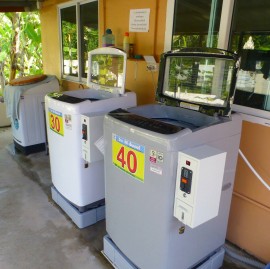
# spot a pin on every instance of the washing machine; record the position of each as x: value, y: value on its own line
x: 24, y: 98
x: 170, y: 167
x: 78, y: 182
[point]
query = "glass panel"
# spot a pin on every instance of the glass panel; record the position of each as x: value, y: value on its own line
x: 196, y: 23
x: 251, y: 18
x: 251, y: 39
x: 69, y: 41
x: 89, y: 32
x: 200, y: 80
x: 107, y: 70
x: 253, y: 80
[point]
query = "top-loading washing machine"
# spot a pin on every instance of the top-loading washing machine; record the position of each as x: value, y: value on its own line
x: 78, y: 182
x: 169, y: 167
x: 24, y: 98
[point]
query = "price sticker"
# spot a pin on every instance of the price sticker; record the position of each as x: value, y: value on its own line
x: 128, y: 156
x: 56, y: 121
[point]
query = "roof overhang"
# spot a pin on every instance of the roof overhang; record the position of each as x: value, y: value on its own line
x: 19, y: 5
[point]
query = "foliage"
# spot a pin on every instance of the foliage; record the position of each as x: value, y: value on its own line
x: 198, y: 40
x: 20, y: 45
x: 106, y: 69
x: 69, y: 39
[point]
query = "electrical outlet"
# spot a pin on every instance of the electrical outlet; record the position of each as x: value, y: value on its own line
x: 152, y: 67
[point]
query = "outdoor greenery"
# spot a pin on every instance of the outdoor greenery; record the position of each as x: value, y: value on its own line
x: 20, y: 46
x: 186, y: 40
x: 106, y: 70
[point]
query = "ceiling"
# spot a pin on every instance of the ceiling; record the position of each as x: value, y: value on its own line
x: 18, y: 5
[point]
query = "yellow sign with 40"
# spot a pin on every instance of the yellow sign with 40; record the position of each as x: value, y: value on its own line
x: 128, y: 156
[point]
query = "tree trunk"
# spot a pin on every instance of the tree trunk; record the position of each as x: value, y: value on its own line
x: 15, y: 19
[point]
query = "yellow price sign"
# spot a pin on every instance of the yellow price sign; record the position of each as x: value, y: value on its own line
x: 56, y: 121
x: 128, y: 156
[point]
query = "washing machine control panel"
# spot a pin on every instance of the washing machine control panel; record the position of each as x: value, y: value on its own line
x: 92, y: 131
x: 198, y: 184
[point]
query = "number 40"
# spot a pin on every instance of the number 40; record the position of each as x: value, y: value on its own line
x: 128, y: 159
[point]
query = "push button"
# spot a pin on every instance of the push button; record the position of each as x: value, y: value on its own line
x: 186, y: 180
x: 84, y: 132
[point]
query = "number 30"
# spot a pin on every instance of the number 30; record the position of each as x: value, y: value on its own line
x: 55, y: 123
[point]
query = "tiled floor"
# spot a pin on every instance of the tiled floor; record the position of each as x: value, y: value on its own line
x: 36, y: 233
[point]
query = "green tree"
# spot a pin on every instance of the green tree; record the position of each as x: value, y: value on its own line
x: 20, y: 45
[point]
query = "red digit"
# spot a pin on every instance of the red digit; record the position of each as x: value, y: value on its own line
x: 121, y: 156
x: 132, y: 155
x: 53, y: 123
x: 57, y: 124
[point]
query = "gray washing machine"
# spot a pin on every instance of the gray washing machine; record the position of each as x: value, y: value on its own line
x: 170, y: 167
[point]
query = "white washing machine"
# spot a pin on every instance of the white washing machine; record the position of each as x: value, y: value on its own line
x: 78, y: 183
x: 170, y: 167
x: 24, y: 98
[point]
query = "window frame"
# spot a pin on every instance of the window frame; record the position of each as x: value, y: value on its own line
x: 77, y: 4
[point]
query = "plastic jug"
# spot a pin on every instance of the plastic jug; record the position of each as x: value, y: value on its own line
x: 108, y: 39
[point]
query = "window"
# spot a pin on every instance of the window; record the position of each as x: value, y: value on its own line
x: 201, y: 23
x: 196, y: 23
x: 251, y: 19
x: 250, y: 37
x: 79, y: 35
x: 226, y: 24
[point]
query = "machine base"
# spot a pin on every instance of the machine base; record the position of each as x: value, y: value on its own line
x: 30, y: 149
x: 119, y: 261
x: 82, y: 220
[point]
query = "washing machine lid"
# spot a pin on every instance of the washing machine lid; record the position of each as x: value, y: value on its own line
x: 107, y: 70
x: 150, y: 124
x: 201, y: 79
x: 27, y: 80
x: 67, y: 98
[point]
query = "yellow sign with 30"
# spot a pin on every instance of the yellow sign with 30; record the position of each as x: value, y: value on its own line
x: 56, y: 121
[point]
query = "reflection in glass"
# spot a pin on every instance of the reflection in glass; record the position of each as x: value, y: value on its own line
x: 107, y: 70
x: 253, y: 80
x: 251, y: 18
x: 199, y: 80
x: 196, y: 23
x: 74, y: 50
x: 89, y: 32
x: 69, y: 41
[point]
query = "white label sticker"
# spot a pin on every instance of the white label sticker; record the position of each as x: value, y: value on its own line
x: 153, y: 156
x: 68, y: 122
x: 156, y: 170
x: 160, y: 157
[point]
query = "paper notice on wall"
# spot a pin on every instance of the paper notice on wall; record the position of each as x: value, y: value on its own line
x: 139, y: 20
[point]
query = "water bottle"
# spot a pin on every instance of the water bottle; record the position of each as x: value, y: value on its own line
x: 126, y: 43
x: 108, y: 39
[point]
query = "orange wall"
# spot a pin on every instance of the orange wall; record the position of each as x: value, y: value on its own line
x: 250, y: 209
x: 50, y: 38
x: 112, y: 16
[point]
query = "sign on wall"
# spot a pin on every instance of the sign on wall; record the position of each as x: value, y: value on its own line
x: 139, y: 20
